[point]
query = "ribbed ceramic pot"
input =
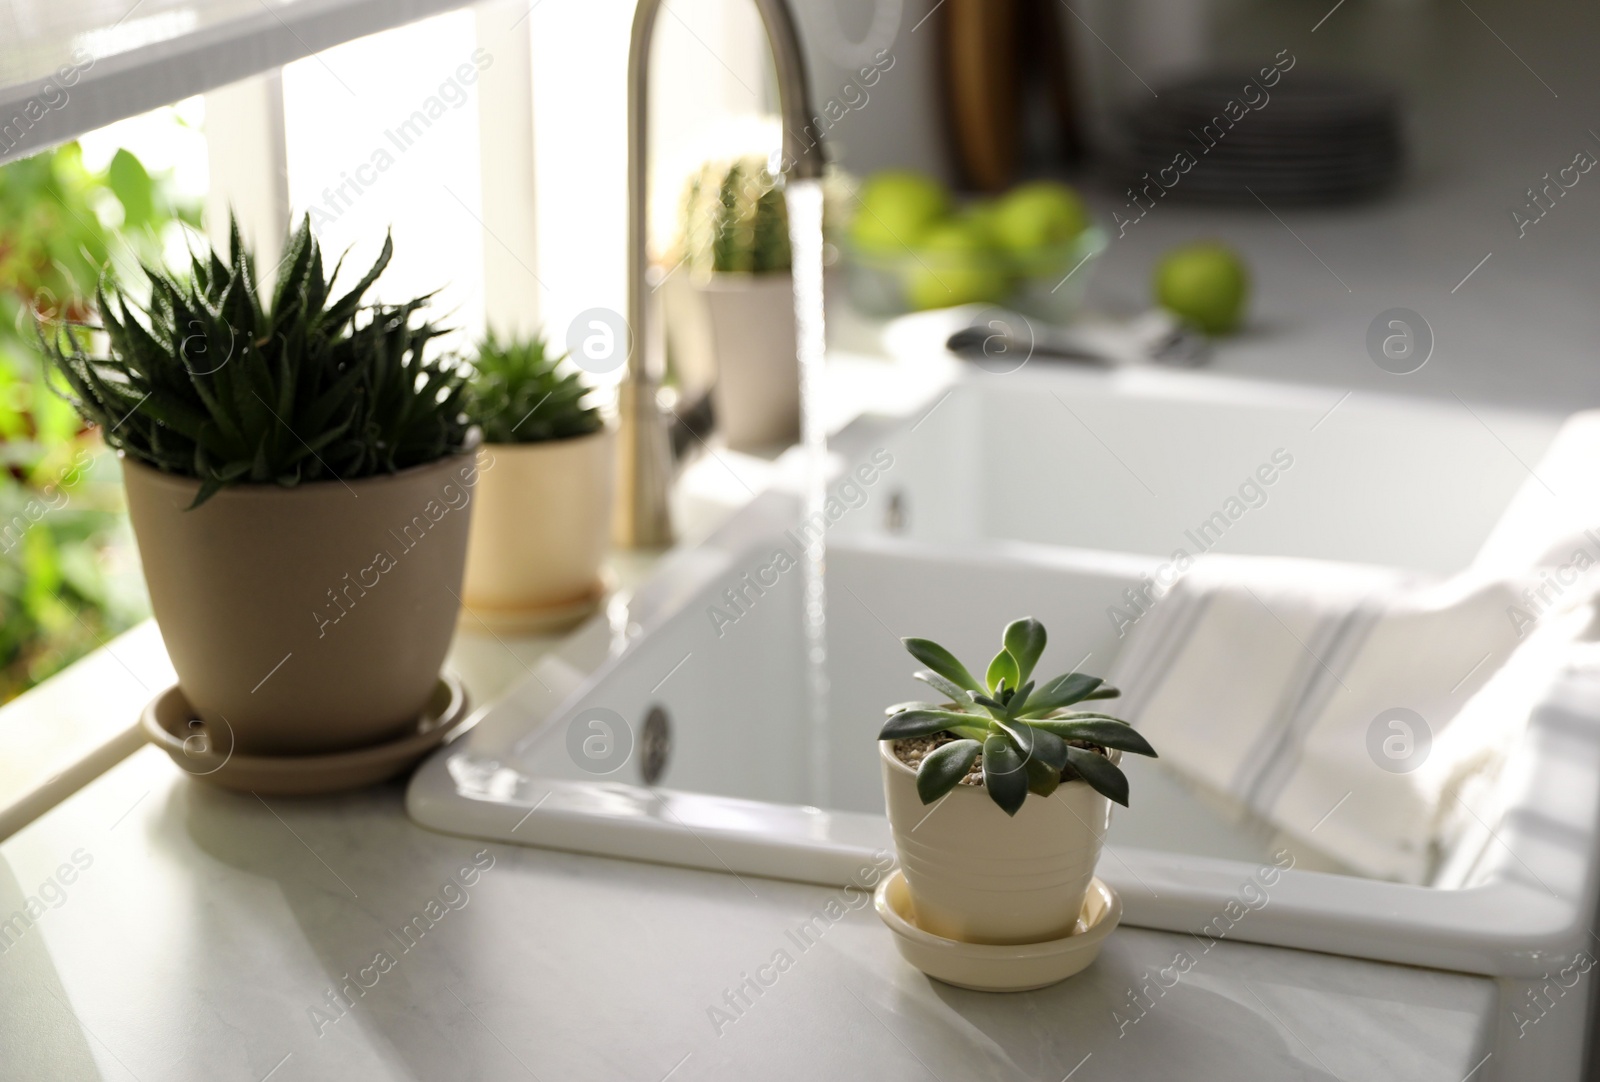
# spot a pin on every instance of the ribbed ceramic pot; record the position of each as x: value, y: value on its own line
x: 979, y: 875
x: 543, y: 523
x: 309, y: 619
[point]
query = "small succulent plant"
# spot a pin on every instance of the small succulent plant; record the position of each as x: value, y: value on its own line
x: 209, y: 379
x: 1029, y: 739
x: 735, y: 219
x: 520, y: 394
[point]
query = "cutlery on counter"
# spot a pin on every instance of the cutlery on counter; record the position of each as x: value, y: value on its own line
x: 1153, y: 337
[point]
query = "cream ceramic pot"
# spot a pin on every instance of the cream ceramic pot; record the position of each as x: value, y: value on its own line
x: 981, y: 876
x: 543, y: 524
x: 310, y: 619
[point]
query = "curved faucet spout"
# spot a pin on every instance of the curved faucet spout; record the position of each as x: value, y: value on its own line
x: 645, y: 466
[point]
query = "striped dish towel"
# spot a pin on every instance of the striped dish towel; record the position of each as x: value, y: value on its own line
x: 1343, y: 704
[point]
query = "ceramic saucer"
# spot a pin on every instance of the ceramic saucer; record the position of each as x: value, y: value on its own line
x: 170, y: 724
x: 985, y: 967
x: 545, y: 620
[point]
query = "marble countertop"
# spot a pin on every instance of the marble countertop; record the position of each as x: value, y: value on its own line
x: 198, y: 934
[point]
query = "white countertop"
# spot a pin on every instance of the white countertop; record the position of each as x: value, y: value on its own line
x: 208, y: 925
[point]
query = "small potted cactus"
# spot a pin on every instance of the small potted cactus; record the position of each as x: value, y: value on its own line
x: 984, y: 863
x: 544, y: 496
x: 298, y: 470
x: 735, y: 249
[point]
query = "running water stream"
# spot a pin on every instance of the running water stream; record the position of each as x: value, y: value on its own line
x: 805, y: 241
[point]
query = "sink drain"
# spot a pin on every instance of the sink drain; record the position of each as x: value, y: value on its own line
x: 655, y: 744
x: 894, y: 515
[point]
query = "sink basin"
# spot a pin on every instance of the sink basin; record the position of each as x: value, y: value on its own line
x: 682, y: 728
x: 1148, y: 461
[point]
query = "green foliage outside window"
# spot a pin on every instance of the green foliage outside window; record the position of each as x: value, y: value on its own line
x: 68, y: 576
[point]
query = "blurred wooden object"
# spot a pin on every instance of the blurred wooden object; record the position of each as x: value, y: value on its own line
x: 982, y: 88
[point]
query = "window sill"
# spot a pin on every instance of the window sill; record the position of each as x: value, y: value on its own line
x: 59, y: 736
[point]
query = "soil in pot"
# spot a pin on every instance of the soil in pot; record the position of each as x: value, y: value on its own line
x: 912, y: 750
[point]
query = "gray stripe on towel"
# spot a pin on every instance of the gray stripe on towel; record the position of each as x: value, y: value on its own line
x: 1147, y: 668
x: 1341, y: 640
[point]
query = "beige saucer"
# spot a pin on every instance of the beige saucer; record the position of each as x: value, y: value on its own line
x: 985, y: 967
x: 170, y: 725
x: 533, y: 621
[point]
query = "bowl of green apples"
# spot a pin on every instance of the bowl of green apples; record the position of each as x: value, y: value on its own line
x: 910, y: 247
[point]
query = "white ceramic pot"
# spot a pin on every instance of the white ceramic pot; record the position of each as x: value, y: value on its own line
x: 541, y: 529
x: 981, y: 876
x: 751, y: 322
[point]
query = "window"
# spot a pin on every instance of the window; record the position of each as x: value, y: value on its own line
x: 382, y: 134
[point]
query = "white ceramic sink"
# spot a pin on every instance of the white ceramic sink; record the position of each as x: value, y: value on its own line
x: 1144, y: 461
x: 1046, y: 493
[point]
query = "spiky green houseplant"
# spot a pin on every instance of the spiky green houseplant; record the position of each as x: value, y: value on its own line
x: 543, y: 519
x: 209, y: 379
x: 298, y: 474
x: 520, y: 393
x: 735, y: 219
x: 1030, y: 738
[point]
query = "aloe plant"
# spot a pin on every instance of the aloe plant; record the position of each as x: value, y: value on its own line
x: 210, y: 380
x: 1028, y: 737
x: 520, y: 394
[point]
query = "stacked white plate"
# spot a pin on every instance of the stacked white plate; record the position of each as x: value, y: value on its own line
x: 1307, y: 139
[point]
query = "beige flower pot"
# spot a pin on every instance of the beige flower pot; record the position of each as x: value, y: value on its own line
x: 981, y: 876
x: 310, y: 619
x: 751, y: 322
x: 542, y: 529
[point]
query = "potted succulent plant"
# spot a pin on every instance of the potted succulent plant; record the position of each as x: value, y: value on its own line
x: 739, y: 302
x: 994, y: 866
x: 298, y: 476
x: 544, y: 516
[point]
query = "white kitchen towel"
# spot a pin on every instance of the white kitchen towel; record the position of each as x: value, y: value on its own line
x: 1344, y: 704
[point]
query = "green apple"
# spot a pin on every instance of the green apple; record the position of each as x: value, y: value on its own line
x: 1039, y: 215
x: 897, y: 208
x: 1205, y: 283
x: 979, y: 217
x: 955, y: 264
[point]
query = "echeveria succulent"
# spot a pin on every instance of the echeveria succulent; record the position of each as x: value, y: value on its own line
x: 1029, y: 738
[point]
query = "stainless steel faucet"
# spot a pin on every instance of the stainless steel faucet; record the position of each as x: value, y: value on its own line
x: 645, y: 458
